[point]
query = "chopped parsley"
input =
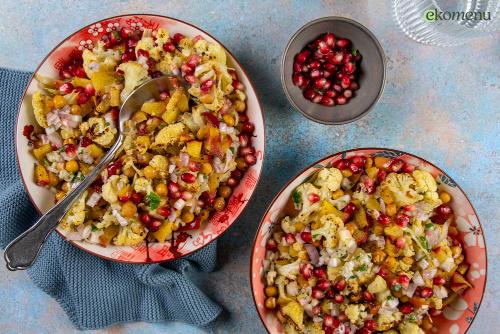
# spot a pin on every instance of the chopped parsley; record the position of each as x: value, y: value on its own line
x: 46, y: 161
x: 316, y: 236
x: 424, y: 243
x: 296, y: 197
x: 363, y: 267
x: 94, y: 229
x: 107, y: 123
x: 429, y: 225
x: 396, y: 287
x: 354, y: 52
x: 233, y: 149
x: 390, y: 297
x: 412, y: 318
x: 353, y: 277
x: 153, y: 200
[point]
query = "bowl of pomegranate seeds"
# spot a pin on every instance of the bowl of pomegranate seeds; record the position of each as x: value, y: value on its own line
x: 191, y: 157
x: 369, y: 240
x: 333, y: 70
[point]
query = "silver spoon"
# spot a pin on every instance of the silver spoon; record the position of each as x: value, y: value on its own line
x: 21, y: 252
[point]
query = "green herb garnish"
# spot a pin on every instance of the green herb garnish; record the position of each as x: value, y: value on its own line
x: 296, y: 197
x: 412, y: 318
x: 429, y: 225
x: 353, y: 277
x: 354, y: 52
x: 363, y: 267
x: 424, y: 243
x: 316, y: 236
x: 46, y: 161
x: 153, y: 200
x: 396, y: 287
x: 94, y: 229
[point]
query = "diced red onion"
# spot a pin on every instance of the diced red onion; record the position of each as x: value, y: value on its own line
x: 440, y: 291
x: 84, y: 230
x: 55, y: 139
x: 119, y: 217
x: 171, y: 169
x: 313, y: 253
x: 179, y: 204
x: 184, y: 159
x: 417, y: 279
x: 93, y: 199
x: 429, y: 273
x: 44, y: 139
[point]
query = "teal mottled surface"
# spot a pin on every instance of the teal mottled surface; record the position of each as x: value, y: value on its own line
x: 439, y: 103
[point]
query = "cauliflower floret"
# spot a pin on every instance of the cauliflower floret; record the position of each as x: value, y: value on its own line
x: 424, y: 181
x: 159, y: 163
x: 410, y: 328
x: 329, y: 178
x: 76, y: 215
x: 425, y: 208
x: 301, y: 200
x: 354, y: 312
x: 112, y: 187
x: 346, y: 241
x: 148, y: 44
x: 401, y: 186
x: 102, y: 133
x: 99, y: 59
x: 142, y: 185
x: 377, y: 285
x: 134, y: 75
x: 130, y: 235
x: 330, y: 225
x: 290, y: 270
x: 287, y: 225
x: 67, y: 132
x: 40, y: 108
x: 295, y: 312
x: 169, y: 134
x: 107, y: 220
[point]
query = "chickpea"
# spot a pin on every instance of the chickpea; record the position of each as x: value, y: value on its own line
x: 271, y: 303
x: 128, y: 171
x: 280, y: 317
x: 228, y: 119
x: 161, y: 189
x: 69, y: 141
x: 219, y: 204
x: 49, y: 104
x: 59, y: 196
x: 204, y: 214
x: 426, y: 324
x: 59, y: 101
x: 65, y: 187
x: 202, y: 132
x: 444, y: 196
x: 129, y: 209
x: 139, y: 116
x: 225, y: 191
x: 206, y: 98
x: 149, y: 172
x: 346, y: 173
x: 369, y: 163
x: 72, y: 166
x: 337, y: 194
x: 53, y: 179
x: 187, y: 217
x: 390, y: 209
x: 240, y: 106
x: 271, y: 291
x: 76, y: 109
x: 206, y: 168
x: 144, y: 158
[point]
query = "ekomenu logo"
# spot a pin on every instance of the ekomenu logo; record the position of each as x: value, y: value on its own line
x: 433, y: 15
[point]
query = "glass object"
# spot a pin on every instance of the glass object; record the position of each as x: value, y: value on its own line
x: 448, y: 22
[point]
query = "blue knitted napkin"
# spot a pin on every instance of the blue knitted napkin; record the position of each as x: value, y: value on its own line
x: 95, y: 293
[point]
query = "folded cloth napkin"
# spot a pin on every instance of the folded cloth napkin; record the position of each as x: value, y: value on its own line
x: 95, y: 293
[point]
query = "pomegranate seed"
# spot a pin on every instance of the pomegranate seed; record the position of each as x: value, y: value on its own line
x: 347, y: 58
x: 142, y: 53
x: 132, y: 43
x: 338, y: 298
x: 173, y: 187
x: 177, y: 38
x: 302, y: 56
x: 404, y: 280
x: 320, y: 272
x: 323, y: 48
x: 238, y: 85
x: 316, y: 310
x: 327, y: 74
x: 370, y: 325
x: 342, y: 42
x: 315, y: 74
x: 136, y: 197
x: 164, y: 211
x: 346, y: 82
x: 336, y: 59
x: 314, y: 65
x: 359, y: 161
x: 188, y: 177
x: 70, y: 149
x: 340, y: 285
x: 298, y: 79
x: 271, y: 245
x: 340, y: 100
x: 349, y: 208
x: 328, y: 320
x: 348, y: 93
x: 125, y: 32
x: 402, y: 220
x: 124, y: 198
x: 396, y: 165
x: 190, y: 78
x: 381, y: 174
x: 306, y: 237
x: 354, y: 85
x: 330, y: 93
x: 248, y: 127
x: 82, y: 98
x: 28, y: 130
x: 349, y: 68
x: 338, y: 88
x: 290, y: 239
x: 246, y: 150
x: 114, y: 167
x: 406, y: 308
x: 313, y: 198
x: 365, y: 331
x: 89, y: 90
x: 327, y: 101
x: 305, y: 68
x: 443, y: 213
x: 154, y: 225
x: 384, y: 219
x: 352, y: 167
x: 368, y: 296
x: 127, y: 56
x: 426, y: 292
x: 329, y: 39
x: 194, y: 61
x: 79, y: 72
x: 145, y: 218
x: 66, y: 88
x: 232, y: 182
x: 306, y: 270
x: 343, y: 164
x: 237, y: 174
x: 434, y: 313
x: 400, y: 242
x: 317, y: 293
x: 320, y: 83
x: 408, y: 168
x: 323, y: 284
x: 382, y: 272
x: 438, y: 280
x: 317, y: 98
x: 115, y: 112
x: 297, y: 68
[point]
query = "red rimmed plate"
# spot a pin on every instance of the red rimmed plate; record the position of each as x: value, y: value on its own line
x: 456, y: 317
x: 190, y: 241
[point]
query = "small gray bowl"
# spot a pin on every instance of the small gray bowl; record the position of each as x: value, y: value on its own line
x: 371, y: 78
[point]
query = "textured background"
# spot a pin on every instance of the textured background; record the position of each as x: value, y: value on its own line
x: 439, y: 103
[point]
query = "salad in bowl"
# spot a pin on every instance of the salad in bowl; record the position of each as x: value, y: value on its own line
x: 184, y: 153
x: 367, y: 243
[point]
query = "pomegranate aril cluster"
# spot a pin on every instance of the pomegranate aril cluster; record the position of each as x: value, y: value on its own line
x: 327, y: 69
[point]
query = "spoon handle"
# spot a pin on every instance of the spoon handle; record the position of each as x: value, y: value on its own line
x: 23, y: 250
